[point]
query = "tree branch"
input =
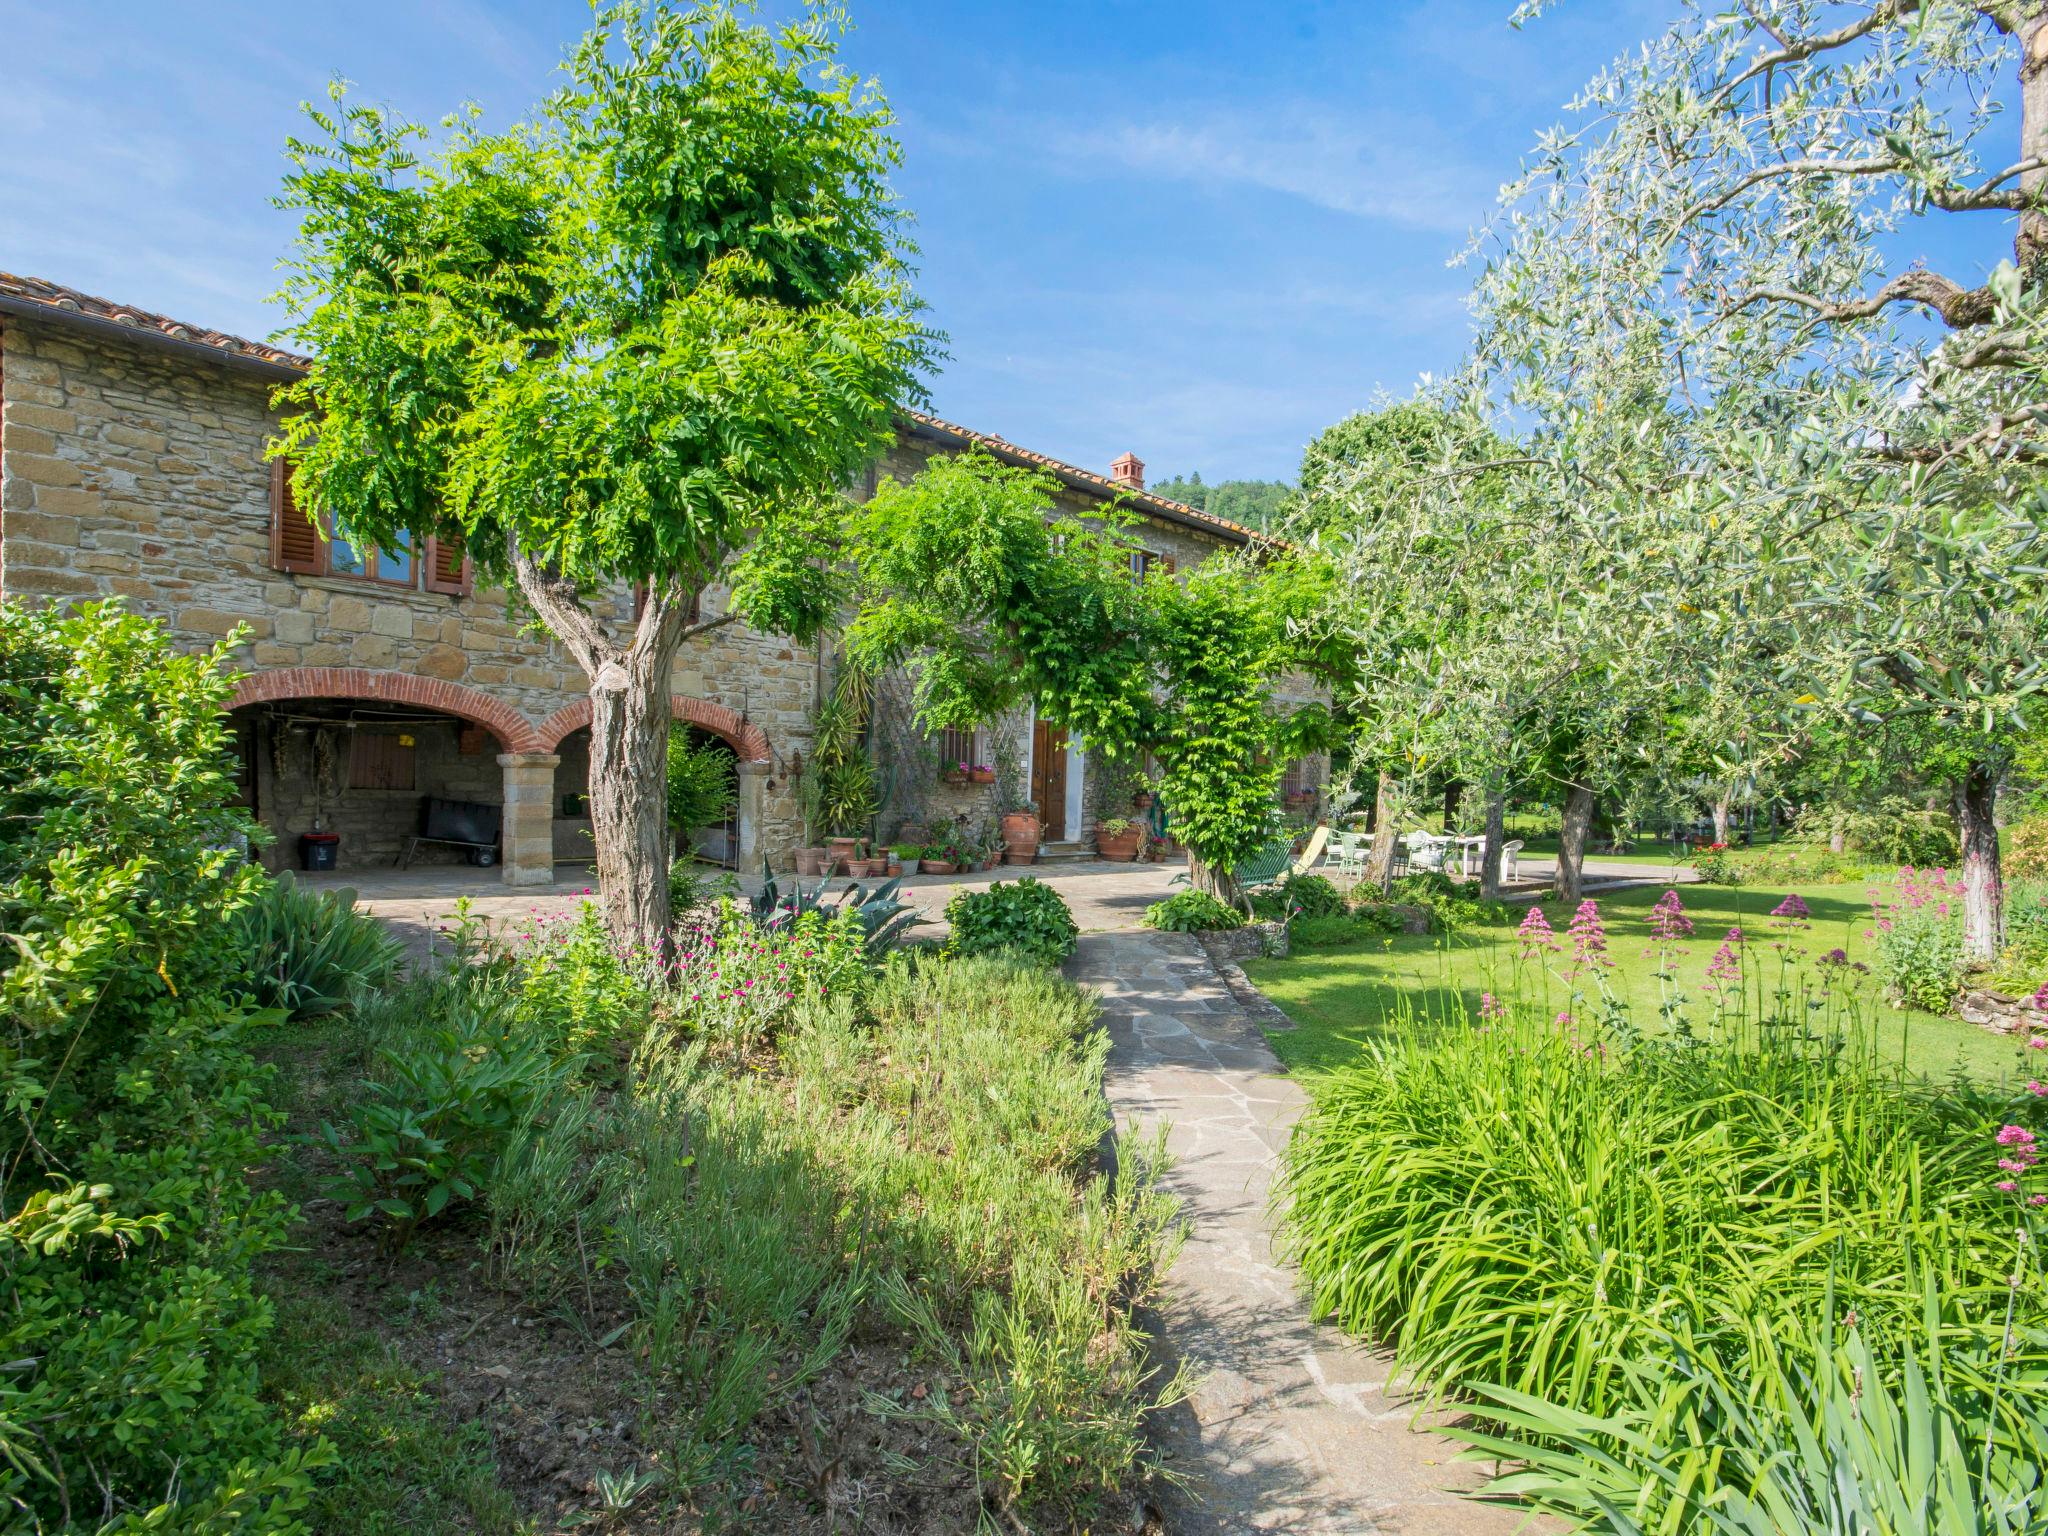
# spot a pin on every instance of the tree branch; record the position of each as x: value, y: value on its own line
x: 1792, y: 50
x: 1959, y: 307
x: 1986, y: 196
x: 560, y: 607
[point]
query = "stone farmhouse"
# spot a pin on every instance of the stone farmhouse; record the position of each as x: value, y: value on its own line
x: 132, y: 465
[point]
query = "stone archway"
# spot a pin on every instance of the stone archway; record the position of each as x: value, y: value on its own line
x: 514, y: 731
x: 749, y: 742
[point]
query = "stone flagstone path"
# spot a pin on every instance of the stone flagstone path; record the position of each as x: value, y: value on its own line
x: 1293, y: 1428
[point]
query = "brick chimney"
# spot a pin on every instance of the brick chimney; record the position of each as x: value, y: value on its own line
x: 1128, y: 470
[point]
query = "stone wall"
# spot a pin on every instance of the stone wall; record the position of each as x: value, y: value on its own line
x: 138, y: 473
x: 135, y: 472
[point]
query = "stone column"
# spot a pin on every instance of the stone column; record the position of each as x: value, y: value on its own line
x: 529, y: 829
x: 751, y: 810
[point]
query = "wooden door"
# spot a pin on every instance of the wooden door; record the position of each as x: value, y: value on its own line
x: 1049, y: 780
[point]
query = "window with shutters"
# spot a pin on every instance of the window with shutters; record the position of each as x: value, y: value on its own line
x: 298, y: 546
x: 380, y: 760
x: 1145, y: 561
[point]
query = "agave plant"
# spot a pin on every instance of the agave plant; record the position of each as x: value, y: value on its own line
x: 884, y: 918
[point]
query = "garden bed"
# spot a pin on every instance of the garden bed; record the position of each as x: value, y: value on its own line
x: 845, y: 1263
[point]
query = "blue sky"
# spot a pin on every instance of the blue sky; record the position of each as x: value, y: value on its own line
x: 1200, y: 231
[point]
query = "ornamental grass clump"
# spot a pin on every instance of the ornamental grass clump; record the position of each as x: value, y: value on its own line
x: 1511, y: 1209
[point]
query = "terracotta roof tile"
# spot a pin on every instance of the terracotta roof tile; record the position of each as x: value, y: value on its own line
x: 30, y: 293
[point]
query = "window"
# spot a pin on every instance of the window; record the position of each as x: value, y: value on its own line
x: 957, y: 747
x: 1145, y: 561
x: 1300, y: 779
x: 380, y: 760
x: 297, y: 546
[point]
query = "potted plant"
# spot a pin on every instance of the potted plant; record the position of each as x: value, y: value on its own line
x: 937, y: 859
x: 1020, y: 826
x: 981, y: 773
x: 1119, y: 838
x: 904, y: 857
x: 954, y: 773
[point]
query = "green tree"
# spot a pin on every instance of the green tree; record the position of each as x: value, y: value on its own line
x: 992, y: 603
x: 1259, y: 504
x: 1710, y: 262
x: 643, y: 338
x: 702, y: 785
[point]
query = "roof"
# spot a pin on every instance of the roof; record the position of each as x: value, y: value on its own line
x: 37, y: 298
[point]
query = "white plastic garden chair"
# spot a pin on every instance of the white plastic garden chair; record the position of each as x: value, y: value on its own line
x: 1509, y: 854
x: 1424, y: 851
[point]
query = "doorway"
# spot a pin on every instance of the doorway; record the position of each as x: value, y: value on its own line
x: 1049, y: 779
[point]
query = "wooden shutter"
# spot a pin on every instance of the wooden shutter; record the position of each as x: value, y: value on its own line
x: 447, y: 567
x: 295, y: 544
x: 1170, y: 563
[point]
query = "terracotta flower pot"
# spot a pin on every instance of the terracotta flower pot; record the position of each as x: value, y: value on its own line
x: 1119, y: 847
x: 937, y: 867
x: 981, y: 775
x: 810, y: 862
x: 1020, y: 837
x: 1142, y: 800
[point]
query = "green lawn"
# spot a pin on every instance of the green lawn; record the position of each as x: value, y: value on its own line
x: 1338, y: 995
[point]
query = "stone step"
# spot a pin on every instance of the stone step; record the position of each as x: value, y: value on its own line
x: 1053, y: 853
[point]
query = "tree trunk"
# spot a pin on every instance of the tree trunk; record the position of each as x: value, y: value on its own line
x: 1453, y: 793
x: 2030, y: 246
x: 1489, y: 855
x: 1379, y: 865
x: 629, y: 724
x: 1983, y: 895
x: 1838, y: 840
x: 1721, y: 809
x: 1219, y: 883
x: 629, y: 803
x: 1571, y: 842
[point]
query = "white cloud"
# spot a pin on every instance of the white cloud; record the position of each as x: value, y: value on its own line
x: 1399, y: 170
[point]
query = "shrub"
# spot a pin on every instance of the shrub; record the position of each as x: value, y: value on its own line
x: 132, y: 1104
x: 1892, y: 831
x: 445, y: 1102
x: 572, y: 990
x: 1448, y: 904
x: 2023, y: 965
x: 738, y: 981
x: 1192, y: 912
x: 692, y: 885
x: 1300, y: 896
x: 1918, y: 936
x: 701, y: 789
x: 2026, y: 852
x: 307, y: 950
x: 1715, y: 865
x: 1025, y: 916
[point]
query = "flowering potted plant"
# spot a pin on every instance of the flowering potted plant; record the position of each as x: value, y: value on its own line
x: 956, y: 773
x: 938, y: 859
x: 981, y: 773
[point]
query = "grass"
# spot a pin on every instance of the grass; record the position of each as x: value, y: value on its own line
x: 1341, y: 996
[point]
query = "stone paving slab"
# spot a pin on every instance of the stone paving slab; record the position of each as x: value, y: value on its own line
x: 1294, y: 1427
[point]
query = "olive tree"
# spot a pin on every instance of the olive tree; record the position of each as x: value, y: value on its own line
x: 1845, y: 447
x: 641, y: 339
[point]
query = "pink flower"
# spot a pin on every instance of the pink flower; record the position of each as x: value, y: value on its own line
x: 2006, y: 1187
x: 2015, y: 1136
x: 2038, y: 1043
x: 2038, y: 1090
x: 1563, y: 1016
x: 1491, y: 1007
x: 1668, y: 920
x: 1792, y: 911
x: 1535, y: 934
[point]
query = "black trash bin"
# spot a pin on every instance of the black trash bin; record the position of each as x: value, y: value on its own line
x: 317, y: 850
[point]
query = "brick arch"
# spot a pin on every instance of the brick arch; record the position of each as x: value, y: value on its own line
x: 514, y: 731
x: 747, y: 739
